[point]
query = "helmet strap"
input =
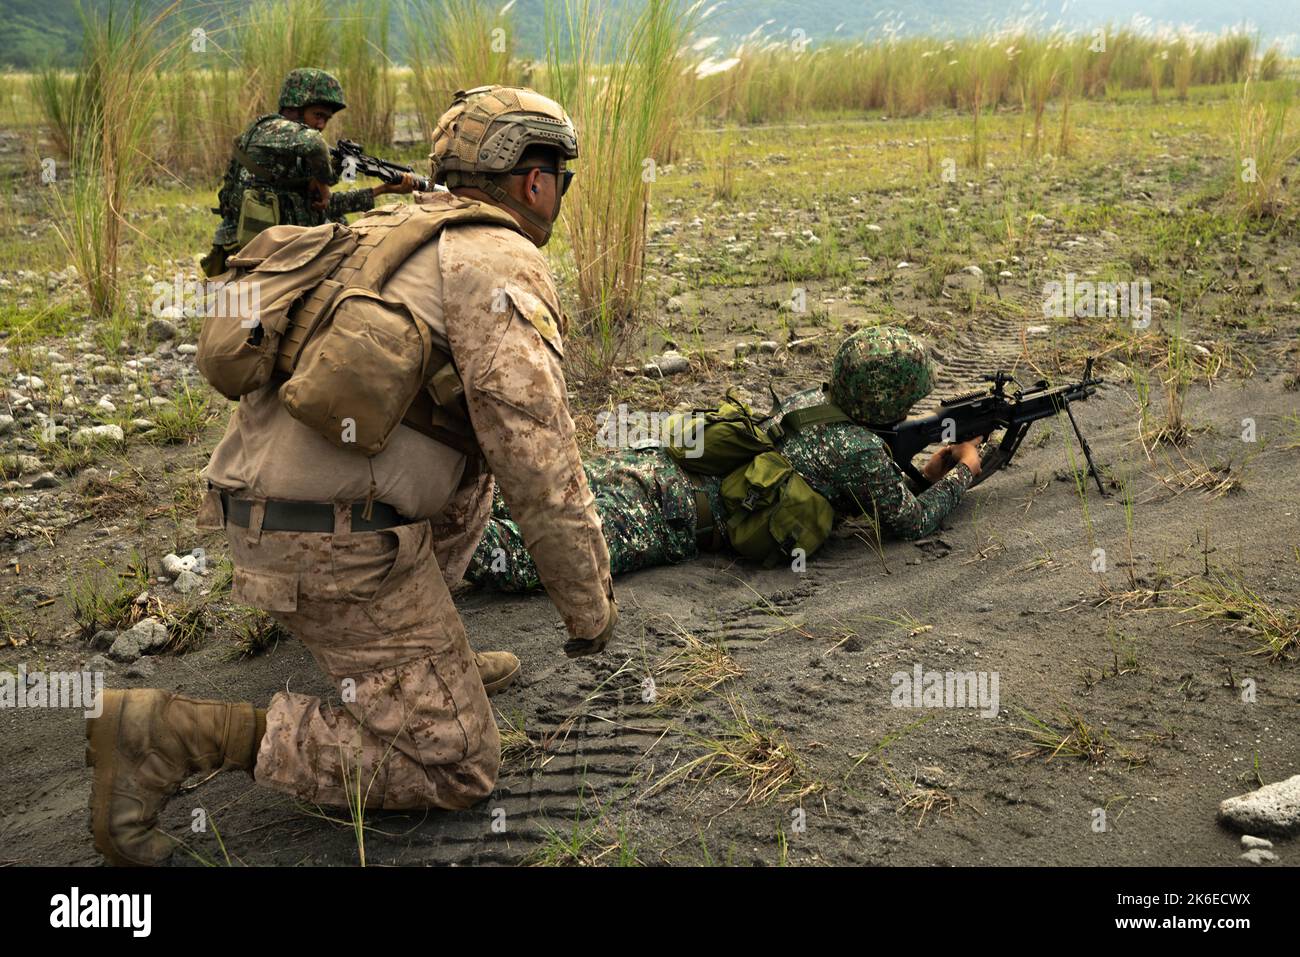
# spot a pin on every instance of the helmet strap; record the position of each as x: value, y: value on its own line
x: 494, y: 189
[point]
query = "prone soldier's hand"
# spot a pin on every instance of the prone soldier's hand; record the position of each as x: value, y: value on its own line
x: 578, y: 647
x: 968, y: 454
x: 320, y: 194
x: 939, y: 465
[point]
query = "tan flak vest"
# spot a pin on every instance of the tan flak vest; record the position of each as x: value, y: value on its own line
x: 352, y: 364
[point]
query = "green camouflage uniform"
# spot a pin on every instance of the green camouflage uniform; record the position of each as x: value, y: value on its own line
x: 646, y: 502
x: 294, y: 153
x: 288, y: 154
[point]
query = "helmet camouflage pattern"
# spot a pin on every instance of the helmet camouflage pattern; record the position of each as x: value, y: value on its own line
x: 487, y: 129
x: 879, y: 373
x: 307, y: 86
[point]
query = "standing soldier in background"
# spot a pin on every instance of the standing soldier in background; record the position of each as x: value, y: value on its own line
x: 281, y: 172
x: 354, y: 554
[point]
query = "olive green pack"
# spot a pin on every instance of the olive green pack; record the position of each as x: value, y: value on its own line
x: 770, y: 509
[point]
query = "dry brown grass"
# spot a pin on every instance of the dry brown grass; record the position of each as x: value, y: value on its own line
x: 692, y: 670
x: 751, y: 753
x: 1072, y: 736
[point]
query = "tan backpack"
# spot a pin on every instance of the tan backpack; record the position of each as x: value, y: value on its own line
x: 354, y: 365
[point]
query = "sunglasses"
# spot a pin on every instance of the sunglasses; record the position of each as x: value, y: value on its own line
x: 565, y: 176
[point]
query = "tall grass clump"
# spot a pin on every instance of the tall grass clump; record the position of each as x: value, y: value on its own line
x: 775, y: 78
x: 63, y: 99
x: 1038, y: 75
x: 276, y: 37
x: 1268, y: 139
x: 202, y: 105
x: 112, y: 101
x: 617, y: 81
x: 217, y: 93
x: 364, y: 70
x: 455, y: 45
x: 985, y: 72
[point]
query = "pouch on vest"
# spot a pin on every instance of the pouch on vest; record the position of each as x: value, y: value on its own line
x: 356, y: 379
x: 259, y: 210
x: 356, y: 375
x: 247, y: 312
x: 771, y: 510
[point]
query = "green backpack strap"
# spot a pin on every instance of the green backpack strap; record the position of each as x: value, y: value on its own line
x: 799, y: 420
x: 240, y: 150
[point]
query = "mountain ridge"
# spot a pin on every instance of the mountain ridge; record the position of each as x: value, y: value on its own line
x: 40, y: 31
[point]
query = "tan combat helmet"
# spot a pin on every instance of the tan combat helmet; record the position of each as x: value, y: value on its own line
x: 485, y: 132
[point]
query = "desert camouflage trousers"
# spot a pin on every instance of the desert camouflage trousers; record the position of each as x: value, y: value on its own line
x: 415, y: 727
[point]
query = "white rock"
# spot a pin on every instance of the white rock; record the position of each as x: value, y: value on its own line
x: 1273, y: 809
x: 670, y: 363
x: 1249, y: 843
x: 106, y: 404
x: 186, y: 582
x: 151, y: 633
x: 964, y: 281
x: 1259, y: 856
x: 97, y: 433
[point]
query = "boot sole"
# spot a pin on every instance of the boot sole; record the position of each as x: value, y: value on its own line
x: 502, y: 683
x: 101, y: 739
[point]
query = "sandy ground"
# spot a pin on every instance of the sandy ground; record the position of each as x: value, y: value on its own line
x: 1007, y: 588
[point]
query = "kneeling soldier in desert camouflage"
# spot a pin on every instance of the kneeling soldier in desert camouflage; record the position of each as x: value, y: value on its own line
x: 353, y: 554
x: 654, y: 512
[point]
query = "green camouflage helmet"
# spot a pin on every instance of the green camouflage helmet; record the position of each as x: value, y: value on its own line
x: 879, y: 374
x: 307, y: 86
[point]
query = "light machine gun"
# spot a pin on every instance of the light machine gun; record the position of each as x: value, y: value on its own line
x: 964, y: 417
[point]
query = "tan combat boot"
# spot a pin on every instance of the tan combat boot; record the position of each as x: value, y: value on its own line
x: 143, y: 747
x: 497, y: 669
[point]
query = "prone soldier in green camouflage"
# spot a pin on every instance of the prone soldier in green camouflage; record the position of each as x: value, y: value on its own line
x: 648, y: 503
x: 284, y: 154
